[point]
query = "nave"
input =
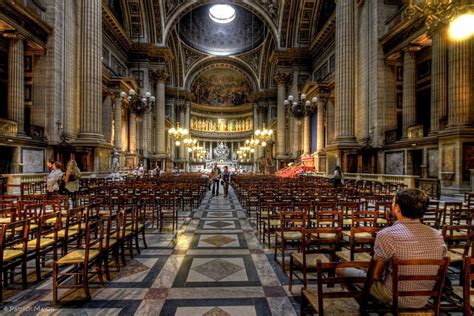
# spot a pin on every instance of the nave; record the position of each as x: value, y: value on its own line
x: 213, y: 265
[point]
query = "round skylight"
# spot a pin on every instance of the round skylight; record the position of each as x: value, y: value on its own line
x: 222, y: 13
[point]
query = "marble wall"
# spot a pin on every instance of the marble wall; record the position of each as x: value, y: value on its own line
x: 433, y: 162
x: 395, y: 162
x: 33, y: 160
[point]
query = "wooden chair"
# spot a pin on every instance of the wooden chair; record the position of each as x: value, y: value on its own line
x: 291, y: 224
x: 13, y: 241
x: 71, y: 228
x: 468, y: 288
x: 344, y: 301
x: 316, y: 244
x: 77, y: 262
x: 361, y: 244
x: 109, y: 244
x: 436, y: 278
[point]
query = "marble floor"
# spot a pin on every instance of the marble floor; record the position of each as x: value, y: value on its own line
x: 213, y: 265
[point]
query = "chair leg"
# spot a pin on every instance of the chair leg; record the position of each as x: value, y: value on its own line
x: 106, y: 265
x: 86, y: 283
x: 290, y: 276
x: 24, y: 278
x: 122, y: 252
x: 98, y: 268
x: 136, y: 243
x: 55, y: 282
x: 130, y: 246
x: 38, y: 267
x: 144, y: 240
x: 115, y: 255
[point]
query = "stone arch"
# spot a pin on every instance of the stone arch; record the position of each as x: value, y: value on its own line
x: 233, y: 63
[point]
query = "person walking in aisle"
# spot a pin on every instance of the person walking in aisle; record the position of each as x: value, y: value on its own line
x: 73, y: 174
x: 226, y: 180
x: 216, y: 176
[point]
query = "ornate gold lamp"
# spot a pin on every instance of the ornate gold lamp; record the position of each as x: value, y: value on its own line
x: 178, y: 134
x: 263, y: 135
x: 458, y: 14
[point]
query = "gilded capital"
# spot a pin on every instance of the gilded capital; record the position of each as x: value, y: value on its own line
x: 281, y: 78
x: 159, y: 75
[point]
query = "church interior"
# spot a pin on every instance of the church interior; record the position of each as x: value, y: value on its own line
x: 204, y: 157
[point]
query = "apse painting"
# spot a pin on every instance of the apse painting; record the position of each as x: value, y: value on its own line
x: 221, y: 87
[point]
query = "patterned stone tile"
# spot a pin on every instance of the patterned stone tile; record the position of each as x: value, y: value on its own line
x: 217, y: 269
x: 219, y: 224
x: 220, y: 240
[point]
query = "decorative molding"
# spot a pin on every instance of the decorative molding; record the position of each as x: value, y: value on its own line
x: 113, y: 25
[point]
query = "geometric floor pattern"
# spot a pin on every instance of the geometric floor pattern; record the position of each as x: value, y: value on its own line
x: 213, y: 265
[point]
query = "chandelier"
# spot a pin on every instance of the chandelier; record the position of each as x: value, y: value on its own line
x: 263, y: 135
x: 139, y: 105
x: 252, y: 143
x: 199, y: 151
x: 243, y: 153
x: 178, y: 134
x: 300, y: 108
x: 189, y: 142
x: 459, y: 14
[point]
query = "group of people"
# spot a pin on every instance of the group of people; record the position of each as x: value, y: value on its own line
x: 139, y: 171
x: 220, y: 177
x: 59, y: 182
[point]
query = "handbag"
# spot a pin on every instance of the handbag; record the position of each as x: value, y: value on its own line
x: 72, y: 177
x: 62, y: 187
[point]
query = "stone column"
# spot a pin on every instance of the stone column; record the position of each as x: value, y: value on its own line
x: 460, y: 84
x: 256, y: 125
x: 91, y: 70
x: 144, y: 132
x: 345, y: 72
x: 281, y: 79
x: 132, y: 132
x: 160, y: 77
x: 439, y: 78
x: 16, y: 83
x: 320, y: 128
x: 307, y: 135
x: 118, y: 123
x: 107, y: 118
x: 182, y: 116
x: 409, y: 90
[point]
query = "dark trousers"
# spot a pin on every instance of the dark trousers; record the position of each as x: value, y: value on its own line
x: 226, y: 188
x: 215, y: 187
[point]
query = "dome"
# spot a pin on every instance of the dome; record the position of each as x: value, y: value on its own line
x: 222, y: 29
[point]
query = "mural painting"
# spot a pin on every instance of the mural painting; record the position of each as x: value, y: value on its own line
x: 221, y: 87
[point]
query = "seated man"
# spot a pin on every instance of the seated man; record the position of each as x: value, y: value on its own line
x: 407, y: 239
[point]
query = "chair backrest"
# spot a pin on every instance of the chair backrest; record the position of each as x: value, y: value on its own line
x: 329, y: 218
x: 362, y: 239
x: 12, y: 235
x: 364, y: 218
x: 321, y: 240
x: 292, y: 221
x: 325, y: 274
x: 468, y: 288
x: 458, y: 237
x: 437, y: 279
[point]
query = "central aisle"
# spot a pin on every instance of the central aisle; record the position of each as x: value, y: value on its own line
x: 218, y: 268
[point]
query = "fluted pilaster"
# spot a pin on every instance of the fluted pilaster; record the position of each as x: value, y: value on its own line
x: 345, y: 71
x: 118, y: 123
x: 132, y: 132
x: 460, y: 84
x: 307, y: 135
x: 160, y: 77
x: 91, y: 70
x: 16, y: 83
x: 281, y: 79
x: 409, y: 90
x: 439, y: 79
x: 320, y: 128
x: 182, y: 118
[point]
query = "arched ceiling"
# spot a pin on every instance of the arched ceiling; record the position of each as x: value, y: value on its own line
x: 278, y: 25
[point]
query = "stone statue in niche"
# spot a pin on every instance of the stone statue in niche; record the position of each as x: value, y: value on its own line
x: 115, y: 167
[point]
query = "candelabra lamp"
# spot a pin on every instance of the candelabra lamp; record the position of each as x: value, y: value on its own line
x: 178, y: 134
x: 139, y: 105
x: 302, y: 107
x: 263, y: 135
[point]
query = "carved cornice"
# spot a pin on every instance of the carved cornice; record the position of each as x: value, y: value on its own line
x: 178, y: 93
x: 402, y: 34
x: 329, y: 29
x: 110, y: 21
x: 248, y: 107
x: 214, y: 135
x: 263, y: 95
x: 153, y: 52
x: 31, y: 26
x: 289, y: 55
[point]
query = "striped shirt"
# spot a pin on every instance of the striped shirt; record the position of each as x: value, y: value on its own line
x: 405, y: 240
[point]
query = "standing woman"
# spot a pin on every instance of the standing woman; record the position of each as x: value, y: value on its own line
x: 52, y: 181
x: 226, y: 180
x: 73, y: 174
x: 338, y: 176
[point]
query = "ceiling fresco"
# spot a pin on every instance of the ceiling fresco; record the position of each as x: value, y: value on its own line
x: 221, y: 87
